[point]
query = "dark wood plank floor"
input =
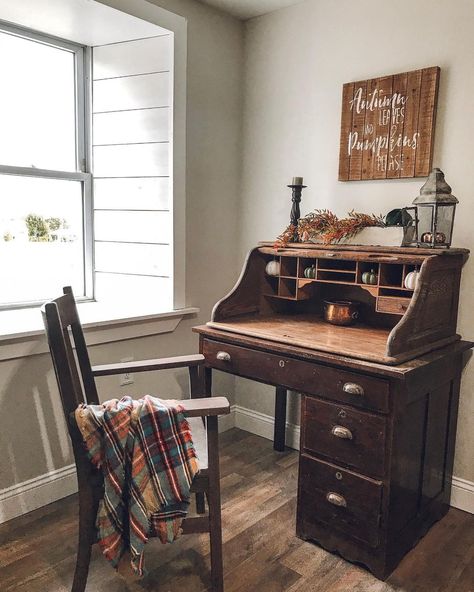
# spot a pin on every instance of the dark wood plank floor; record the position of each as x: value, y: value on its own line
x: 261, y: 552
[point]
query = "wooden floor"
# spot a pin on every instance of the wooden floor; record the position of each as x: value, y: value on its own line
x: 261, y: 552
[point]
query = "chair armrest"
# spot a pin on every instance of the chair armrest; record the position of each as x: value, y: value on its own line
x: 207, y: 407
x: 148, y: 365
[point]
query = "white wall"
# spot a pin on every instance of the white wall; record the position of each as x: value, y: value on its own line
x: 132, y: 125
x: 296, y: 61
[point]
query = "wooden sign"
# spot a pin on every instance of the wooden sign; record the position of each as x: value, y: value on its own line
x: 387, y: 126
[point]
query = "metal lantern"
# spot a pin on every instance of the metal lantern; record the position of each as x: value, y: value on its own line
x: 434, y: 212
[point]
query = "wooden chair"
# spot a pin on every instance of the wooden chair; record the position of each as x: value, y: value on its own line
x: 76, y: 383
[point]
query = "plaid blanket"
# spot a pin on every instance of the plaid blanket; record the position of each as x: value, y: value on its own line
x: 145, y: 451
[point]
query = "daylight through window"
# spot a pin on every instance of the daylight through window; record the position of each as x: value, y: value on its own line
x: 44, y: 180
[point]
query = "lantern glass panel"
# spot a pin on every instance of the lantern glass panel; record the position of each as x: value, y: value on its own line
x: 425, y: 222
x: 444, y: 221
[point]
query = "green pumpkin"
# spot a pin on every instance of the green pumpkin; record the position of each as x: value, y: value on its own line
x: 369, y: 277
x: 310, y: 272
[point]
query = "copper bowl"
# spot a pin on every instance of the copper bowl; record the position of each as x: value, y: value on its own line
x: 341, y: 312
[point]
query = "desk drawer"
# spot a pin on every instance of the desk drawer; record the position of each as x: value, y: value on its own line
x: 300, y: 375
x: 341, y: 499
x: 392, y: 305
x: 344, y: 435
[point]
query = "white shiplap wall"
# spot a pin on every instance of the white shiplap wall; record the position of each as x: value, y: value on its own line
x: 132, y: 133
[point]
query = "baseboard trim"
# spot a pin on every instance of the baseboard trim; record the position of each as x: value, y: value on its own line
x: 50, y: 487
x: 37, y: 492
x: 227, y: 422
x: 262, y: 425
x: 462, y: 494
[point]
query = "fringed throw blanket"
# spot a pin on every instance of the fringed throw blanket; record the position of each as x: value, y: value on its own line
x: 145, y: 451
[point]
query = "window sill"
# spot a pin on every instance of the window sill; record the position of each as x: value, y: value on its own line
x: 22, y: 331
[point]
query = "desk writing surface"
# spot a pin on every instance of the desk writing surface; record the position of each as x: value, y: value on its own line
x: 310, y: 331
x: 398, y: 371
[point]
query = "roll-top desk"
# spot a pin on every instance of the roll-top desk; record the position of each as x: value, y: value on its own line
x: 379, y: 399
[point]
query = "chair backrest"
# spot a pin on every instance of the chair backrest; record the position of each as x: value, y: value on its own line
x: 64, y: 332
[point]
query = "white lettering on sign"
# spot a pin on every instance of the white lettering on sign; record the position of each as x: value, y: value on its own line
x: 375, y: 101
x: 391, y: 111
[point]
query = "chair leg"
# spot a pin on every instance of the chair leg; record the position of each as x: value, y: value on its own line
x: 200, y: 502
x: 214, y: 499
x: 88, y: 504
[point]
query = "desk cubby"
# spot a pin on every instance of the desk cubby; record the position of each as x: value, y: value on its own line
x: 395, y: 323
x: 292, y: 283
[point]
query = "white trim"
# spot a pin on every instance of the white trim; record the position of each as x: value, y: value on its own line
x: 262, y: 425
x: 32, y: 343
x: 178, y: 26
x: 227, y: 422
x: 37, y: 492
x: 462, y: 494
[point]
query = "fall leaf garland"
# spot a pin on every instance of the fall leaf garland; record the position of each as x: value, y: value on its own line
x: 326, y: 226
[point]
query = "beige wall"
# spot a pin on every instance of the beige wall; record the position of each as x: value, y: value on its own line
x: 32, y: 434
x: 296, y: 62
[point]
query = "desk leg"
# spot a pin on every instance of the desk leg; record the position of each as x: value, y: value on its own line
x: 280, y: 419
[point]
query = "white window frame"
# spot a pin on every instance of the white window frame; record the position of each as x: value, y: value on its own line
x: 82, y: 60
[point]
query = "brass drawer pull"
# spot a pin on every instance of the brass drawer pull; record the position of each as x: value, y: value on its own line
x: 341, y: 432
x: 351, y: 388
x: 336, y: 500
x: 223, y: 356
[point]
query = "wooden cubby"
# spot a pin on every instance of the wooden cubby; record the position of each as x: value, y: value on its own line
x: 292, y: 284
x: 395, y: 323
x: 288, y: 266
x: 287, y: 287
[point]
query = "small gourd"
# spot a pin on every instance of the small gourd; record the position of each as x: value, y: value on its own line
x: 310, y: 272
x: 427, y: 237
x: 411, y: 279
x: 369, y: 277
x: 273, y: 268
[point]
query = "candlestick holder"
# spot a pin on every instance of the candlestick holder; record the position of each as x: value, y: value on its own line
x: 295, y: 208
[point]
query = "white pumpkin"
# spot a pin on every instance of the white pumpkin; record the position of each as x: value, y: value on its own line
x: 273, y: 268
x: 411, y: 280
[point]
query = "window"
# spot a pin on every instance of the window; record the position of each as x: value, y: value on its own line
x: 45, y: 183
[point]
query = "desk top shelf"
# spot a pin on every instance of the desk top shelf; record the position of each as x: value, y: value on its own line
x: 398, y: 321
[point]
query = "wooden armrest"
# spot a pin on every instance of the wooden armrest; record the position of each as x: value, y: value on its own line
x: 148, y: 365
x: 209, y: 406
x: 205, y: 407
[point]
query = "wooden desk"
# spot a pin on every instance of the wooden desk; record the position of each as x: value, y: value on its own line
x: 379, y: 400
x: 391, y: 480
